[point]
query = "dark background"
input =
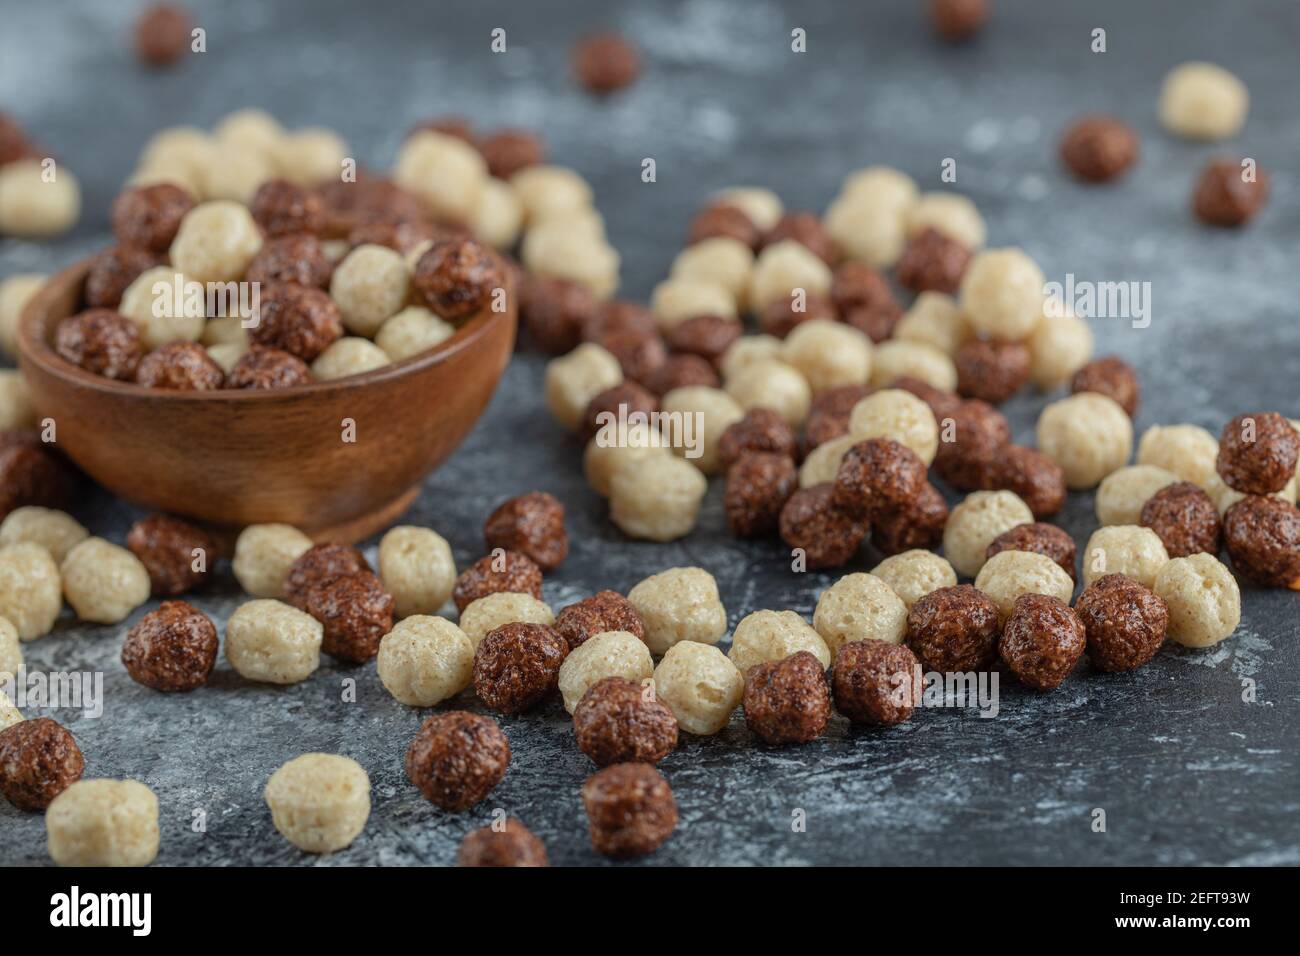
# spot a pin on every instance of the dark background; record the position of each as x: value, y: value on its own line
x: 1186, y: 771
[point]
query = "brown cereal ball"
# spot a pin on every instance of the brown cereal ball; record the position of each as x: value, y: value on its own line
x: 509, y: 150
x: 707, y: 336
x: 604, y: 406
x: 806, y: 229
x: 787, y: 701
x: 811, y: 521
x: 456, y: 126
x: 112, y: 270
x: 320, y: 564
x: 942, y: 404
x: 958, y: 20
x: 1099, y: 148
x: 1110, y: 376
x: 954, y: 629
x: 979, y: 434
x: 14, y: 144
x: 780, y: 316
x: 1262, y: 536
x: 400, y: 235
x: 759, y: 483
x: 681, y: 371
x: 855, y: 285
x: 604, y: 611
x: 176, y: 554
x: 991, y: 370
x: 511, y: 845
x: 761, y: 429
x: 282, y: 207
x: 1185, y: 518
x: 295, y: 257
x: 640, y: 355
x: 182, y: 366
x: 31, y: 475
x: 1038, y: 538
x: 1125, y: 623
x: 172, y: 648
x: 1037, y: 480
x: 457, y: 759
x: 508, y: 571
x: 620, y: 721
x: 162, y: 34
x: 297, y: 319
x: 876, y: 323
x: 1041, y: 641
x: 264, y: 367
x: 605, y: 62
x: 630, y: 809
x: 355, y: 612
x: 919, y: 524
x: 932, y: 262
x: 532, y: 525
x: 722, y: 220
x: 39, y: 759
x: 517, y: 666
x: 1224, y: 197
x: 877, y: 476
x: 555, y: 311
x: 875, y: 682
x: 1257, y: 453
x: 102, y: 342
x: 148, y: 217
x: 457, y: 277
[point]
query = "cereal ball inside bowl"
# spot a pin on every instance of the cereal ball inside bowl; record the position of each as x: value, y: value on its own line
x: 630, y: 810
x: 1088, y: 435
x: 1262, y: 536
x: 319, y: 802
x: 772, y: 636
x: 954, y: 628
x: 484, y: 615
x: 417, y: 568
x: 103, y: 581
x: 39, y: 760
x: 282, y: 208
x: 1042, y: 641
x: 1124, y: 621
x: 298, y: 258
x: 859, y: 607
x: 102, y: 342
x: 56, y: 531
x: 215, y: 242
x: 700, y: 685
x: 679, y: 604
x: 608, y: 654
x: 1123, y: 493
x: 446, y: 173
x: 103, y: 823
x: 517, y: 666
x: 1002, y: 294
x: 1202, y: 597
x: 912, y: 575
x: 297, y: 319
x: 350, y: 355
x: 787, y: 701
x: 898, y: 415
x: 657, y: 501
x: 976, y: 522
x: 876, y: 683
x: 621, y: 721
x: 271, y: 642
x: 1009, y: 574
x: 31, y: 590
x: 1203, y: 101
x: 173, y: 648
x: 1258, y: 453
x: 510, y: 844
x: 148, y: 217
x: 1185, y: 518
x: 411, y: 331
x: 1124, y: 549
x: 425, y: 660
x: 263, y: 367
x: 369, y: 286
x: 457, y: 278
x: 457, y: 759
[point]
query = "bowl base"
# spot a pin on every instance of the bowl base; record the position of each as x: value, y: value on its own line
x: 345, y: 532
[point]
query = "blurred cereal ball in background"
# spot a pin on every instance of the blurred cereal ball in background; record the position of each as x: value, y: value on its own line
x: 1203, y: 101
x: 39, y: 199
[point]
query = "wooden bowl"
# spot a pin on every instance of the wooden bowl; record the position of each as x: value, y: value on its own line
x: 249, y: 456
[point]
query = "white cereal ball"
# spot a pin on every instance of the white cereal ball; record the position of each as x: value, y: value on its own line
x: 216, y: 242
x: 9, y: 714
x: 828, y: 354
x: 36, y: 201
x: 899, y: 415
x: 762, y: 206
x: 103, y: 823
x: 822, y: 464
x: 319, y: 802
x: 935, y: 320
x: 166, y: 305
x: 184, y: 177
x: 704, y: 414
x: 1124, y: 549
x: 1009, y: 574
x: 1122, y: 493
x: 185, y: 148
x: 549, y: 192
x: 607, y: 654
x: 859, y: 607
x: 483, y: 616
x: 224, y: 330
x: 975, y: 522
x: 103, y: 582
x: 773, y: 636
x: 251, y: 130
x: 263, y: 555
x: 1061, y: 344
x: 499, y: 218
x: 273, y: 643
x: 235, y: 174
x: 775, y: 385
x: 952, y: 214
x: 1088, y: 435
x: 675, y: 300
x: 1203, y: 597
x: 626, y: 448
x: 31, y: 591
x: 896, y: 358
x: 15, y: 292
x: 679, y: 604
x: 411, y: 331
x: 16, y: 408
x: 1189, y: 451
x: 227, y: 356
x: 350, y: 355
x: 447, y: 173
x: 1203, y: 101
x: 1225, y: 497
x: 746, y: 351
x: 721, y: 260
x: 573, y: 380
x: 700, y: 686
x: 1002, y: 294
x: 369, y: 285
x: 657, y: 501
x: 557, y: 251
x: 886, y: 186
x: 914, y: 574
x: 312, y: 156
x: 425, y: 660
x: 11, y: 661
x: 783, y: 267
x: 56, y: 531
x: 867, y: 220
x: 417, y: 568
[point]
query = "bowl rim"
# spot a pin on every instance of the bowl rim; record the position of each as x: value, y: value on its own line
x: 34, y: 347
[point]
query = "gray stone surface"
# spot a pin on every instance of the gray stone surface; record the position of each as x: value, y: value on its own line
x: 1186, y: 772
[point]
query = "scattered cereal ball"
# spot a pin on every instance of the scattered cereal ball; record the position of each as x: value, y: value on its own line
x: 630, y: 809
x: 1258, y: 453
x: 954, y: 629
x: 679, y: 371
x: 15, y: 292
x: 234, y: 175
x: 36, y: 203
x: 355, y: 612
x: 263, y: 555
x: 1122, y: 493
x: 446, y: 173
x: 548, y: 192
x: 1002, y: 294
x: 508, y: 844
x: 39, y: 759
x: 9, y: 714
x: 271, y: 642
x: 876, y: 683
x: 934, y: 320
x: 1125, y: 622
x: 250, y: 129
x: 714, y: 410
x: 457, y: 759
x: 708, y: 336
x: 103, y: 823
x: 1009, y: 574
x: 774, y: 385
x: 1038, y: 538
x: 895, y: 359
x: 757, y: 488
x: 953, y: 215
x: 605, y: 611
x: 1098, y: 148
x: 1088, y: 435
x: 784, y: 267
x: 1229, y: 192
x: 11, y: 654
x: 517, y: 666
x: 369, y: 286
x: 1185, y: 518
x: 677, y: 299
x: 1113, y: 377
x: 215, y: 242
x: 898, y: 415
x: 350, y: 355
x: 859, y: 607
x: 1188, y: 451
x: 103, y: 581
x: 499, y: 216
x: 609, y: 654
x: 760, y: 430
x: 828, y: 354
x: 724, y: 221
x: 659, y: 500
x: 31, y: 591
x: 531, y: 524
x: 484, y: 615
x: 720, y: 261
x: 1225, y: 497
x: 159, y: 303
x: 822, y: 464
x: 173, y: 648
x: 932, y: 262
x: 912, y: 575
x: 621, y: 721
x: 974, y: 523
x: 867, y: 219
x: 1203, y: 598
x: 700, y: 685
x: 1262, y: 536
x: 16, y: 408
x: 878, y: 477
x: 826, y: 535
x: 1042, y: 641
x: 556, y: 249
x: 787, y: 701
x: 148, y: 217
x: 573, y: 380
x: 56, y: 531
x: 624, y: 449
x: 1124, y: 549
x: 319, y: 802
x: 957, y: 21
x: 679, y: 604
x: 762, y: 206
x: 1203, y: 101
x: 772, y: 636
x: 499, y: 571
x: 425, y: 660
x: 312, y: 156
x: 1059, y: 346
x: 918, y: 525
x: 746, y: 351
x: 991, y: 370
